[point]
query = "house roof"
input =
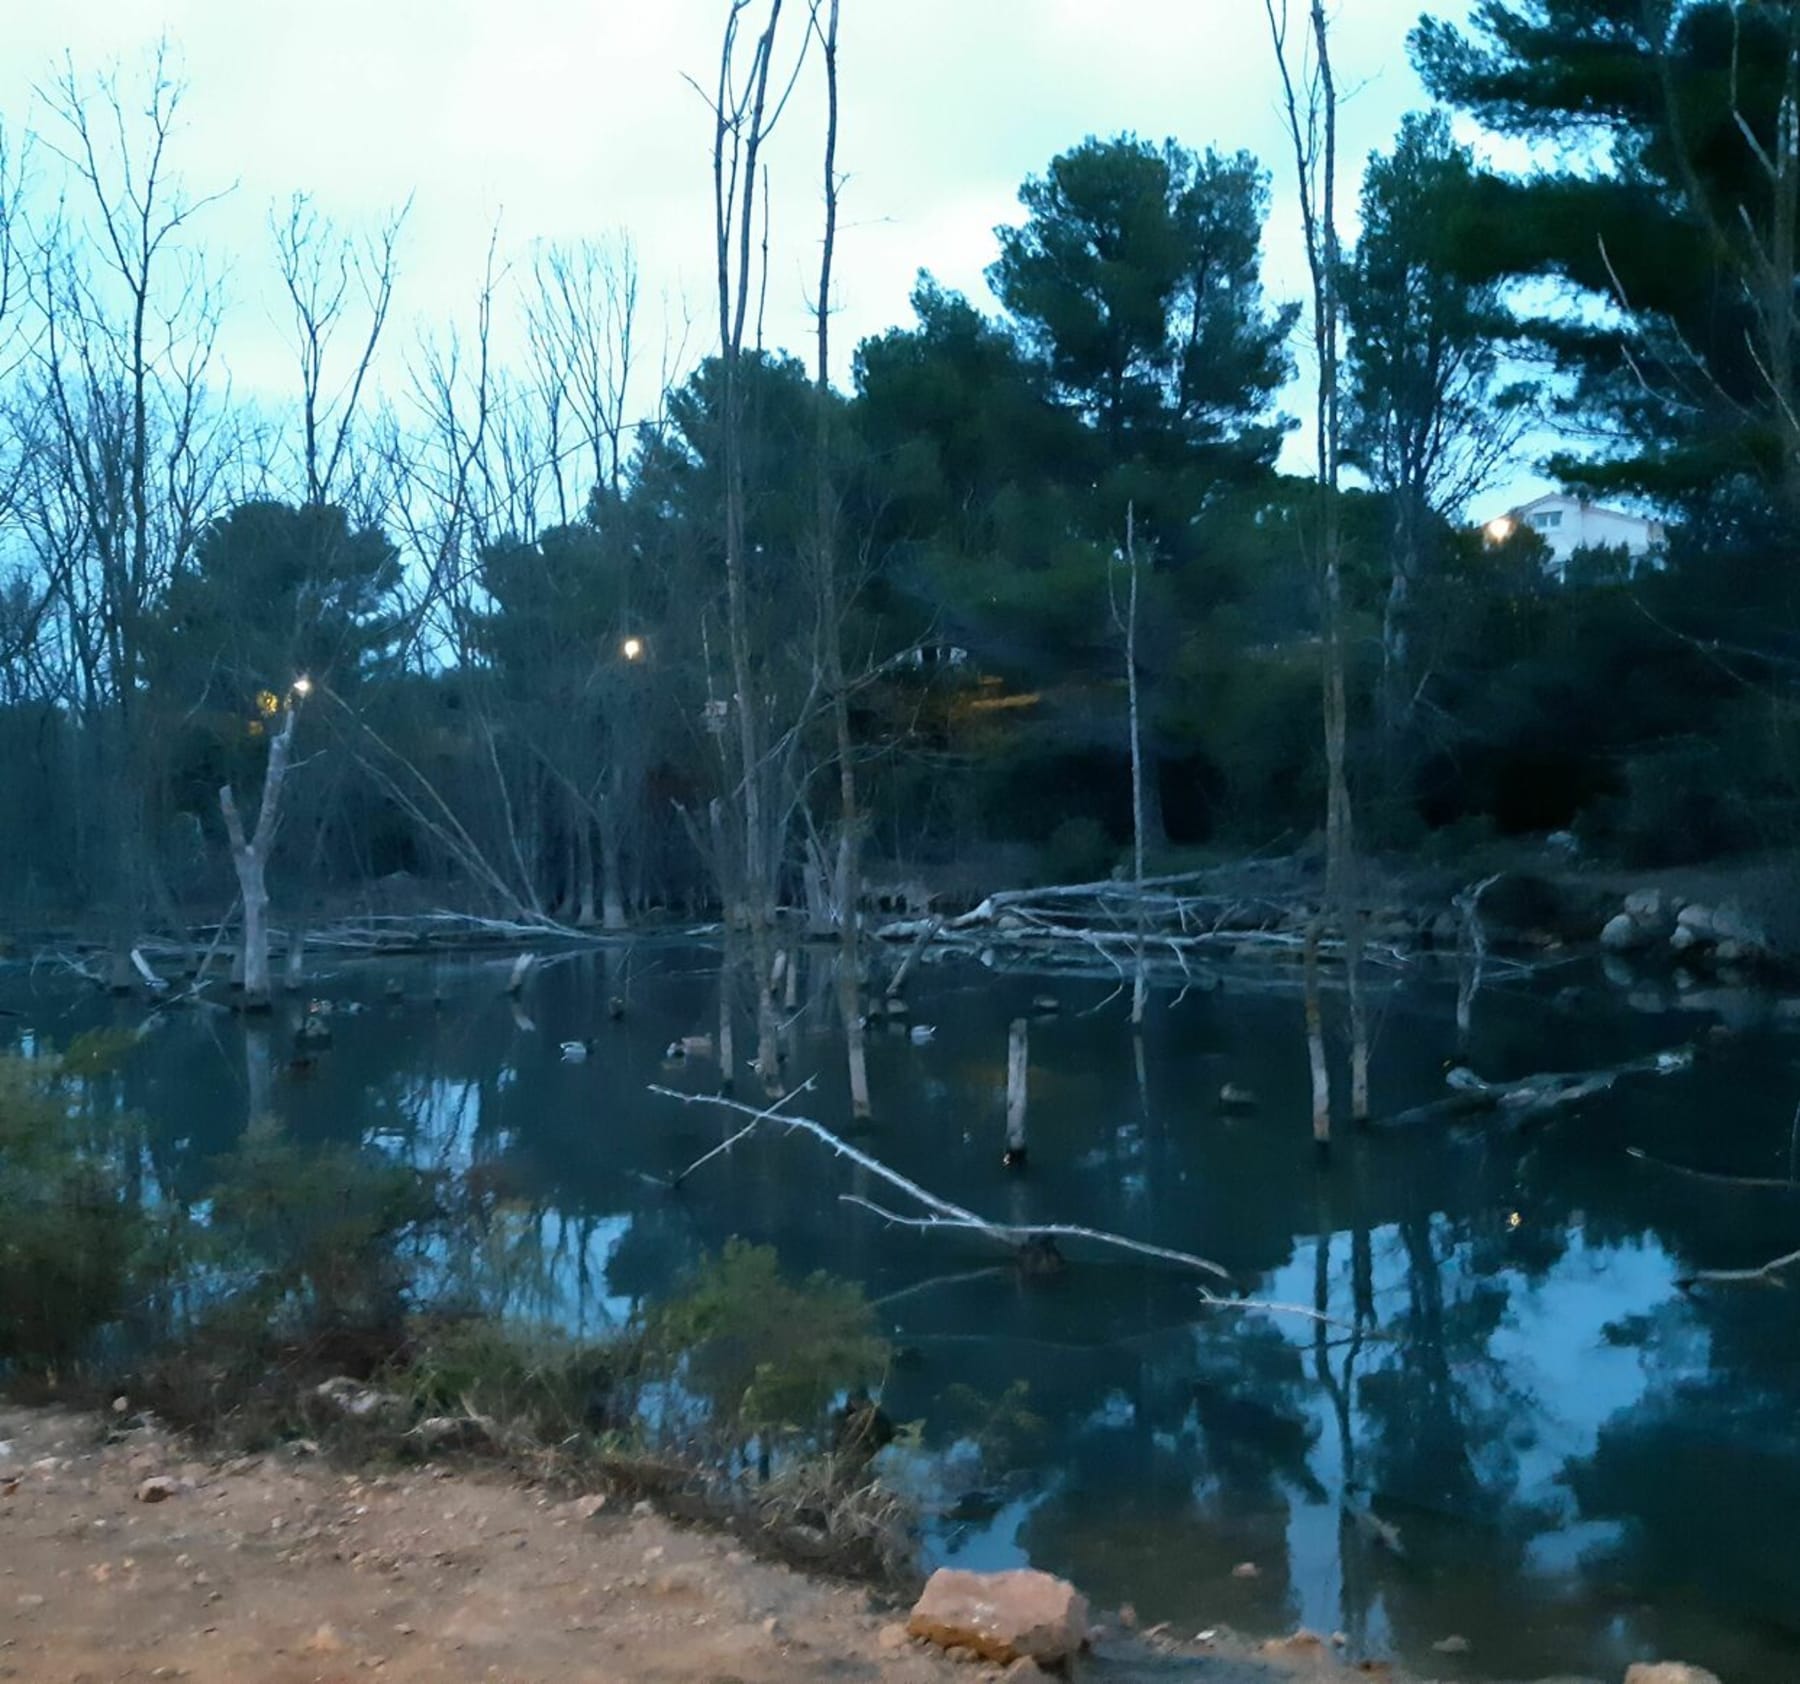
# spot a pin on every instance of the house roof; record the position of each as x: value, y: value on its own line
x: 1567, y: 497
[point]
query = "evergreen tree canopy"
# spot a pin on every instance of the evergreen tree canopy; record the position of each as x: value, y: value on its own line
x: 1136, y: 279
x: 1668, y: 206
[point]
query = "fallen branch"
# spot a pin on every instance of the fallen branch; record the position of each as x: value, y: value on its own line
x: 967, y: 1220
x: 946, y: 1214
x: 920, y: 943
x: 1767, y: 1183
x: 725, y: 1146
x: 1532, y: 1096
x: 1769, y: 1273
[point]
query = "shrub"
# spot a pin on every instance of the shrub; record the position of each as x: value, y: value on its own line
x: 74, y: 1226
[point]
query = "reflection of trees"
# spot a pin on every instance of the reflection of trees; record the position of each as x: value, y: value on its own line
x: 1702, y: 1479
x: 1176, y: 1442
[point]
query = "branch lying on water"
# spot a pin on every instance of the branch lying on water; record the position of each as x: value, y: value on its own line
x: 1532, y: 1096
x: 725, y: 1146
x: 947, y: 1215
x: 1765, y: 1183
x: 955, y: 1217
x: 1769, y: 1273
x: 952, y: 1216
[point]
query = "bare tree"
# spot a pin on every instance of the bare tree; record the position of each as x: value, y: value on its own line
x: 250, y: 854
x: 848, y: 887
x: 1309, y: 103
x: 133, y: 441
x: 324, y: 273
x: 743, y: 117
x: 1126, y: 620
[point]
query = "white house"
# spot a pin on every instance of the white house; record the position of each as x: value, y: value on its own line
x: 1568, y: 524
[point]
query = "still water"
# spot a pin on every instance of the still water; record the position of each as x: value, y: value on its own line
x: 1584, y: 1464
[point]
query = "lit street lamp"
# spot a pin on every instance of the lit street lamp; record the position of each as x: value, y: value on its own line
x: 632, y: 648
x: 303, y: 686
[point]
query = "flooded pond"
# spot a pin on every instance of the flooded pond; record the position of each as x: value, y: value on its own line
x: 1582, y: 1463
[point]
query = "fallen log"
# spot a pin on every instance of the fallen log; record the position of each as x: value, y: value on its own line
x: 1530, y: 1097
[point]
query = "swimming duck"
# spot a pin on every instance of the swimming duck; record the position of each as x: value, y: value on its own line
x: 921, y: 1034
x: 575, y: 1052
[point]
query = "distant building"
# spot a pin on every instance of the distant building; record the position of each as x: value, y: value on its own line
x: 1568, y: 524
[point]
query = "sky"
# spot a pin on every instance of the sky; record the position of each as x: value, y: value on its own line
x: 564, y: 119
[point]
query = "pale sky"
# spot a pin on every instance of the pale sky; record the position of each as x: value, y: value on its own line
x: 570, y: 118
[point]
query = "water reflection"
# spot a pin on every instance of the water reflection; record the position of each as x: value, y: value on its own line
x: 1507, y: 1424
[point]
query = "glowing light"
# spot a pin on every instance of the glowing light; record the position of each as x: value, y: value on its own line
x: 267, y: 703
x: 303, y: 686
x: 1500, y: 528
x: 632, y: 648
x: 1514, y: 1220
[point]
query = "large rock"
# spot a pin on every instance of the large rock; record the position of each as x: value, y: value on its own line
x: 1623, y: 934
x: 1669, y: 1672
x: 1649, y: 907
x: 1002, y: 1616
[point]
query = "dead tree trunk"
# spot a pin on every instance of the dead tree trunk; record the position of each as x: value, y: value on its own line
x: 250, y: 856
x: 741, y: 126
x: 849, y: 874
x: 1310, y: 108
x: 1140, y: 985
x: 1018, y: 1076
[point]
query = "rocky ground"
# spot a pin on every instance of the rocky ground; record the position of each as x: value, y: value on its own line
x: 283, y: 1569
x: 125, y: 1557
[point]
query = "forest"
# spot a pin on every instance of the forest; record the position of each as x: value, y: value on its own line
x: 612, y: 627
x: 1038, y: 741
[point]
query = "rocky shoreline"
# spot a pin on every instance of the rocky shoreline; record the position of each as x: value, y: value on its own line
x: 130, y: 1555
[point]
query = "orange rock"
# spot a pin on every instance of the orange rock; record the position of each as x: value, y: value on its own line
x: 1302, y: 1646
x: 1002, y: 1616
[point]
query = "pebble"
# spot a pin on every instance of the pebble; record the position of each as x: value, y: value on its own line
x: 1452, y: 1645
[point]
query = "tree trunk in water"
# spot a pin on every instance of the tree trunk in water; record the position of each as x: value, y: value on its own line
x: 250, y: 857
x: 727, y: 966
x: 849, y: 875
x: 1018, y: 1071
x: 1140, y: 985
x: 296, y: 958
x: 253, y: 886
x: 1315, y: 1039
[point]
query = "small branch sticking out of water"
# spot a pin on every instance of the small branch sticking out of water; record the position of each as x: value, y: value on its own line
x: 967, y: 1220
x: 945, y: 1214
x: 725, y: 1146
x: 1769, y: 1274
x: 1764, y: 1183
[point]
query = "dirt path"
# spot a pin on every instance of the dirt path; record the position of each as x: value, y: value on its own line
x: 285, y: 1570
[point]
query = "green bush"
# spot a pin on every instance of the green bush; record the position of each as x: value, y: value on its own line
x: 75, y: 1224
x: 766, y: 1356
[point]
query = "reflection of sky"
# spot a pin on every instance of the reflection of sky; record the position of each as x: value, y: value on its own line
x: 1557, y: 1363
x: 1554, y: 1347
